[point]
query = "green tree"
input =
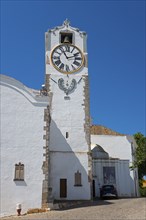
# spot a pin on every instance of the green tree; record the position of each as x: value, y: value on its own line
x: 140, y: 160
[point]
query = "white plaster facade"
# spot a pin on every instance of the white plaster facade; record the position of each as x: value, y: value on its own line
x: 22, y: 121
x: 121, y: 155
x: 68, y: 116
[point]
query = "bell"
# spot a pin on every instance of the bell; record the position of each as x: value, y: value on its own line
x: 66, y: 39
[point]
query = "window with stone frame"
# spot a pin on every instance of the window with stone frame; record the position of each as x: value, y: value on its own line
x: 78, y: 179
x: 19, y: 172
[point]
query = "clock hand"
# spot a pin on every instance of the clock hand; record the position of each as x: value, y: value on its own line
x: 71, y: 57
x: 64, y: 54
x: 79, y: 80
x: 53, y: 80
x: 67, y: 56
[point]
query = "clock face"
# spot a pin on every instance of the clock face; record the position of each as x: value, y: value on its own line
x: 67, y: 58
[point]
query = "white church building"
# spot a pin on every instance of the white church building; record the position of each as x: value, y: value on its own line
x: 49, y: 150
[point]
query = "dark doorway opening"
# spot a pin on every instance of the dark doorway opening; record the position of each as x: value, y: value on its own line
x: 63, y: 188
x: 93, y: 185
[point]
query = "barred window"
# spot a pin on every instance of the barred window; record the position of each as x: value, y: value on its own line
x: 78, y: 181
x: 19, y: 172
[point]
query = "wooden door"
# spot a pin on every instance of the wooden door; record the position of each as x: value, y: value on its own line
x: 63, y: 188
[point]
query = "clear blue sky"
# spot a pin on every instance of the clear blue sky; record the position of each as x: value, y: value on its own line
x: 116, y: 49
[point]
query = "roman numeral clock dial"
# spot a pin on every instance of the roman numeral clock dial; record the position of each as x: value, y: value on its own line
x: 67, y: 58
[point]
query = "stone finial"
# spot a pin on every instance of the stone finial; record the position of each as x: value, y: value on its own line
x: 66, y: 22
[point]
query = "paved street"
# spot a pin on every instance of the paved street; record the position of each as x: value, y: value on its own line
x: 122, y: 209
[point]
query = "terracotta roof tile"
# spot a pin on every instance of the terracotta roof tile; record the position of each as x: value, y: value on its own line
x: 101, y: 130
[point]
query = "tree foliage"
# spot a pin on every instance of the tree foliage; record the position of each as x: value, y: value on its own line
x: 140, y: 161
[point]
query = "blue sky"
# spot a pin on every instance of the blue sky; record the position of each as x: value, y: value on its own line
x: 116, y: 50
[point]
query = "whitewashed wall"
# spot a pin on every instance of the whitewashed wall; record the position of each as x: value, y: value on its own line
x: 123, y: 183
x: 120, y: 147
x: 65, y: 165
x: 68, y: 155
x: 22, y: 121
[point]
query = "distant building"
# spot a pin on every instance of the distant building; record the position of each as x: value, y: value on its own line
x: 46, y: 151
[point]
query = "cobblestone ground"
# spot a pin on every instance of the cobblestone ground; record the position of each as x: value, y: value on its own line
x: 122, y: 209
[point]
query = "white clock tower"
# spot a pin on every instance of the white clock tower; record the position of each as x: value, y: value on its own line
x: 68, y: 164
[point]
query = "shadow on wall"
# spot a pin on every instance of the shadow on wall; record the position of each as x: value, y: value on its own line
x: 68, y: 169
x: 20, y: 183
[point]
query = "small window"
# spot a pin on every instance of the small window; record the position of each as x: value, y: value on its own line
x: 67, y: 135
x: 66, y: 37
x: 78, y: 179
x: 19, y: 172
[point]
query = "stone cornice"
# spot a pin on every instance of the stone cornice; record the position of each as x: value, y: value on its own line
x: 66, y: 27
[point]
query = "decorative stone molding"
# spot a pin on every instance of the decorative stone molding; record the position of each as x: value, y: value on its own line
x: 87, y: 110
x: 47, y: 199
x: 47, y: 60
x: 66, y: 87
x: 87, y: 128
x: 86, y: 60
x: 47, y: 82
x: 46, y: 162
x: 66, y: 24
